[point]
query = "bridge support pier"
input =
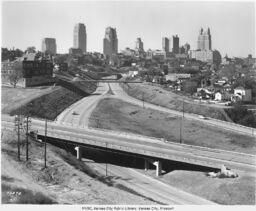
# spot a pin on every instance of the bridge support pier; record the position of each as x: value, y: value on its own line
x: 158, y: 165
x: 78, y: 153
x: 146, y: 164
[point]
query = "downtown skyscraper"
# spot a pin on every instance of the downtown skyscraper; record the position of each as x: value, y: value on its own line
x: 204, y: 41
x: 165, y: 44
x: 110, y: 42
x: 139, y: 45
x: 80, y: 37
x: 49, y: 45
x: 175, y: 44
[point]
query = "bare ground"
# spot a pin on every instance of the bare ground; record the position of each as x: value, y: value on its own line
x: 228, y: 191
x: 65, y: 180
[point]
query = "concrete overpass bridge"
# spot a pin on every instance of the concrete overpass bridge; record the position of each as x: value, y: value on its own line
x: 151, y: 149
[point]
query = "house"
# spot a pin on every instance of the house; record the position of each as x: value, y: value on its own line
x: 218, y: 96
x: 242, y: 94
x: 133, y: 73
x: 205, y: 93
x: 177, y: 76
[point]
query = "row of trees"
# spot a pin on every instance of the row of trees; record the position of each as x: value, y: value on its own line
x: 11, y: 54
x: 241, y: 115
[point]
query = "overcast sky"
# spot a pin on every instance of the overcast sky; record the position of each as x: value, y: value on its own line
x: 232, y: 24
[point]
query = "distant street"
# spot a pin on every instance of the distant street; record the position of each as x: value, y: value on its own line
x: 79, y: 113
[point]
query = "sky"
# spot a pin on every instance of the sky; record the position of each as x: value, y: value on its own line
x: 232, y: 24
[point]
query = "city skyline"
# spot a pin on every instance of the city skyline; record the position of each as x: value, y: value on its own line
x: 232, y: 24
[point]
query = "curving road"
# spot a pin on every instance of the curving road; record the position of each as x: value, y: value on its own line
x: 79, y: 113
x: 119, y: 93
x: 75, y: 128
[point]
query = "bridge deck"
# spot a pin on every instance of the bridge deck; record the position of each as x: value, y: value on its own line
x: 144, y: 146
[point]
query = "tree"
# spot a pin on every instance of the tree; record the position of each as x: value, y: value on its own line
x: 14, y: 77
x: 241, y: 115
x: 247, y: 83
x: 190, y: 87
x: 11, y: 54
x: 16, y: 74
x: 31, y: 49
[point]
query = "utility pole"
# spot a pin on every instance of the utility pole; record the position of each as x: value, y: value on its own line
x: 183, y: 108
x: 17, y: 118
x: 181, y: 120
x: 143, y: 99
x: 27, y: 138
x: 181, y: 130
x: 106, y: 161
x: 45, y: 143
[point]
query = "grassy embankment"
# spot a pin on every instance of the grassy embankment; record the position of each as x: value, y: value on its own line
x: 66, y: 180
x: 117, y: 115
x: 13, y: 98
x: 159, y: 96
x: 42, y: 104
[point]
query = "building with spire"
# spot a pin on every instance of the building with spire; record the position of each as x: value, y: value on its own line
x: 204, y: 41
x: 80, y: 37
x: 110, y: 42
x: 204, y: 50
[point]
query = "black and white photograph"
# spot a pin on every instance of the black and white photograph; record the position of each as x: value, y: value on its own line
x: 128, y: 105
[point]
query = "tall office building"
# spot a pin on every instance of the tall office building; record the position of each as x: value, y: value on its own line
x: 139, y: 45
x: 165, y: 44
x: 204, y: 52
x: 187, y: 47
x: 175, y: 44
x: 49, y: 45
x: 204, y: 41
x: 110, y: 42
x: 79, y: 39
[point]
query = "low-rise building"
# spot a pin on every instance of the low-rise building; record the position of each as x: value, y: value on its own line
x: 177, y: 76
x: 243, y: 94
x: 218, y: 96
x: 156, y: 54
x: 29, y: 72
x: 75, y: 51
x: 128, y: 52
x: 206, y: 56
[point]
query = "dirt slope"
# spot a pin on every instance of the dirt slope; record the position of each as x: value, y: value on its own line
x: 65, y: 181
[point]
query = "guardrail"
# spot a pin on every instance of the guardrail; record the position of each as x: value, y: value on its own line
x: 189, y: 150
x: 133, y: 135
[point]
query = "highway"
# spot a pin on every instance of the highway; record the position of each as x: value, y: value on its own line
x: 79, y: 112
x: 74, y: 128
x: 119, y: 93
x: 148, y: 186
x: 141, y: 145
